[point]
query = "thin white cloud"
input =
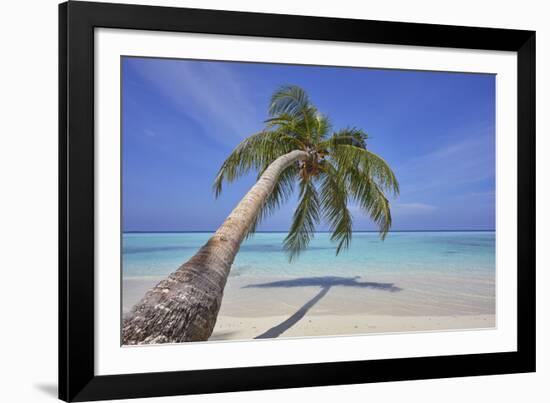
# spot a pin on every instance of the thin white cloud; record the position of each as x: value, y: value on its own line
x: 465, y: 147
x: 468, y: 161
x: 404, y: 208
x: 208, y: 93
x: 414, y: 208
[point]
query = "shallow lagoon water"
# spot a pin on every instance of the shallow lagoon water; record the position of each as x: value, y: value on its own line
x: 457, y: 253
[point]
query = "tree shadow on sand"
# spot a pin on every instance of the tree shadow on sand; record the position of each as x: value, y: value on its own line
x: 326, y: 283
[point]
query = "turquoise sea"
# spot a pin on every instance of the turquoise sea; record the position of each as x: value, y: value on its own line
x: 453, y: 253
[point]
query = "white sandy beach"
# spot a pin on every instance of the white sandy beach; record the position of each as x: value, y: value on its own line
x: 239, y: 328
x: 331, y: 305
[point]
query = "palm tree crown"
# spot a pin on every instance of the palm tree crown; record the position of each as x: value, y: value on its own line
x: 339, y: 169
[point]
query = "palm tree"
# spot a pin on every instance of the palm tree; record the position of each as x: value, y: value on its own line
x: 296, y: 146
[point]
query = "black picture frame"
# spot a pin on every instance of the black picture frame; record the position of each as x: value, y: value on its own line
x: 77, y: 21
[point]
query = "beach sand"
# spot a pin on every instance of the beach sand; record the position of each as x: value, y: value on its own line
x: 238, y: 328
x: 260, y: 307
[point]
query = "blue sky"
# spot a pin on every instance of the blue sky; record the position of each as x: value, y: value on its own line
x: 182, y: 118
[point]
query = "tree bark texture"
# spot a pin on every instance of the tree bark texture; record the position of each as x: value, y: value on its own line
x: 185, y: 305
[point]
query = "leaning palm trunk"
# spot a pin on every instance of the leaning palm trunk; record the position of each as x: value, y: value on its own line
x: 184, y: 306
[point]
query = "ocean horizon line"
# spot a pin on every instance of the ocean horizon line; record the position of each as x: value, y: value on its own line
x: 316, y: 232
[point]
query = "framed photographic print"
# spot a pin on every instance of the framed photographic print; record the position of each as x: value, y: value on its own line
x: 255, y: 201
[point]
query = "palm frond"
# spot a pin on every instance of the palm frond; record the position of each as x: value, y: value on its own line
x: 290, y: 100
x: 292, y: 127
x: 350, y: 136
x: 253, y: 153
x: 348, y: 157
x: 370, y: 197
x: 293, y: 101
x: 368, y: 177
x: 322, y: 126
x: 375, y: 203
x: 306, y: 216
x: 334, y: 206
